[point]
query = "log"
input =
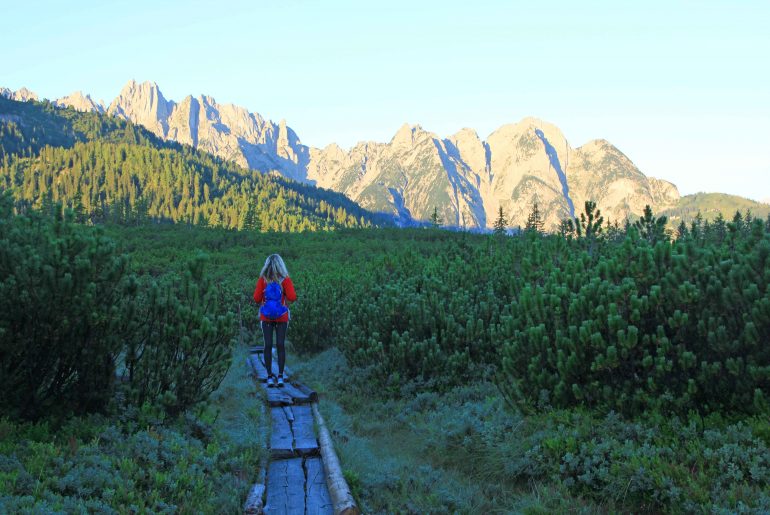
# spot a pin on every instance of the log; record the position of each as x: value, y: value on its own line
x: 317, y: 500
x: 340, y: 493
x: 311, y: 394
x: 253, y: 505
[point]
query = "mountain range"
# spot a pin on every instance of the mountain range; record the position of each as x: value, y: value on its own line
x: 464, y: 178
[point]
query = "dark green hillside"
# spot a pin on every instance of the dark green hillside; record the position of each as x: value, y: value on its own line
x: 711, y: 205
x: 111, y: 170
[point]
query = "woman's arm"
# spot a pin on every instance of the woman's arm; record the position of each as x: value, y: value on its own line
x: 288, y: 290
x: 259, y: 291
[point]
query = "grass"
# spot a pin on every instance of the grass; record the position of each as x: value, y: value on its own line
x: 416, y: 455
x: 130, y: 462
x: 464, y: 451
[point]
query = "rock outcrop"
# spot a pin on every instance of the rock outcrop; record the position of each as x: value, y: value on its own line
x: 20, y: 95
x: 80, y: 102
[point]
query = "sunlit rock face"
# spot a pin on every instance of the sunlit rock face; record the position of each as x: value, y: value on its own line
x: 464, y: 178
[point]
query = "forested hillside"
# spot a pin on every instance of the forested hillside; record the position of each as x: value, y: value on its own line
x: 107, y: 169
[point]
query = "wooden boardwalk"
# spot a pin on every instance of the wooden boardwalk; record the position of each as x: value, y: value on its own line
x: 296, y: 480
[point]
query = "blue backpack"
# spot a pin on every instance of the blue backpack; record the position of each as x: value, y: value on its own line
x: 272, y: 309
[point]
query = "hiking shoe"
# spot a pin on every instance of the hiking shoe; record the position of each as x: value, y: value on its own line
x: 280, y: 379
x: 270, y: 381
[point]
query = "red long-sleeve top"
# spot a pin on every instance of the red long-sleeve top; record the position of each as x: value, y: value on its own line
x: 288, y: 295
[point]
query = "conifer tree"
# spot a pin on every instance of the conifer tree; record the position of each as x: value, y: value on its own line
x: 535, y: 220
x: 501, y: 224
x: 567, y: 228
x: 589, y: 225
x: 681, y: 230
x: 435, y: 219
x: 650, y: 228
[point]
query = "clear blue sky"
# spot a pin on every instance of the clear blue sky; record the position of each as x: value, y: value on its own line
x: 683, y: 88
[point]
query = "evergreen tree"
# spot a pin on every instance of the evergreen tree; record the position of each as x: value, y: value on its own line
x: 435, y: 219
x: 681, y: 230
x: 567, y: 228
x: 650, y: 228
x: 589, y: 225
x: 501, y: 224
x: 535, y: 220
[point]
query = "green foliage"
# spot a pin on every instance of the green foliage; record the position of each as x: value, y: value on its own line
x: 670, y: 326
x: 650, y: 228
x: 710, y: 205
x: 96, y: 465
x: 179, y: 348
x: 673, y: 326
x: 72, y: 311
x: 501, y: 223
x: 65, y: 302
x: 535, y: 221
x: 484, y: 458
x: 435, y: 219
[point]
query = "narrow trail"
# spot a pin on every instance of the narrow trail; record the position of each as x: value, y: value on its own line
x: 303, y: 476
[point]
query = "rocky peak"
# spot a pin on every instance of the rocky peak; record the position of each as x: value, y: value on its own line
x: 407, y: 135
x: 80, y: 102
x: 144, y: 104
x: 20, y: 95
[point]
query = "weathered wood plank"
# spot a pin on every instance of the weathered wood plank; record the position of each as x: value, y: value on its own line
x: 277, y: 397
x: 274, y: 365
x: 282, y: 437
x: 285, y: 487
x: 257, y: 363
x: 297, y: 395
x: 317, y: 499
x: 260, y: 372
x: 305, y: 442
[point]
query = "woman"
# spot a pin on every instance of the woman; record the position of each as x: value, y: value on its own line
x: 274, y: 289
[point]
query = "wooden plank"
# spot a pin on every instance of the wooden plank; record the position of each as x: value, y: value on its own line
x: 277, y: 397
x: 282, y: 437
x: 274, y: 365
x: 260, y: 372
x: 285, y: 487
x: 297, y: 395
x: 305, y: 442
x: 317, y: 501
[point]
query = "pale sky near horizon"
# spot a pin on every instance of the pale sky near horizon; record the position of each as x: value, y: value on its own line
x: 682, y: 88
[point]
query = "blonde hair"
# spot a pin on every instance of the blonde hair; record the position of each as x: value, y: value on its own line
x: 274, y: 270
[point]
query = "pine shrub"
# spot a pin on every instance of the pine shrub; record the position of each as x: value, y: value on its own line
x: 64, y: 295
x: 179, y: 349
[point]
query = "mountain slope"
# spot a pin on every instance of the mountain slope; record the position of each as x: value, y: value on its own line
x: 711, y: 205
x: 466, y: 179
x: 110, y: 169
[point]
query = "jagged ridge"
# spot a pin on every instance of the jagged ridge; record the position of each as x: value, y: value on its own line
x: 465, y: 178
